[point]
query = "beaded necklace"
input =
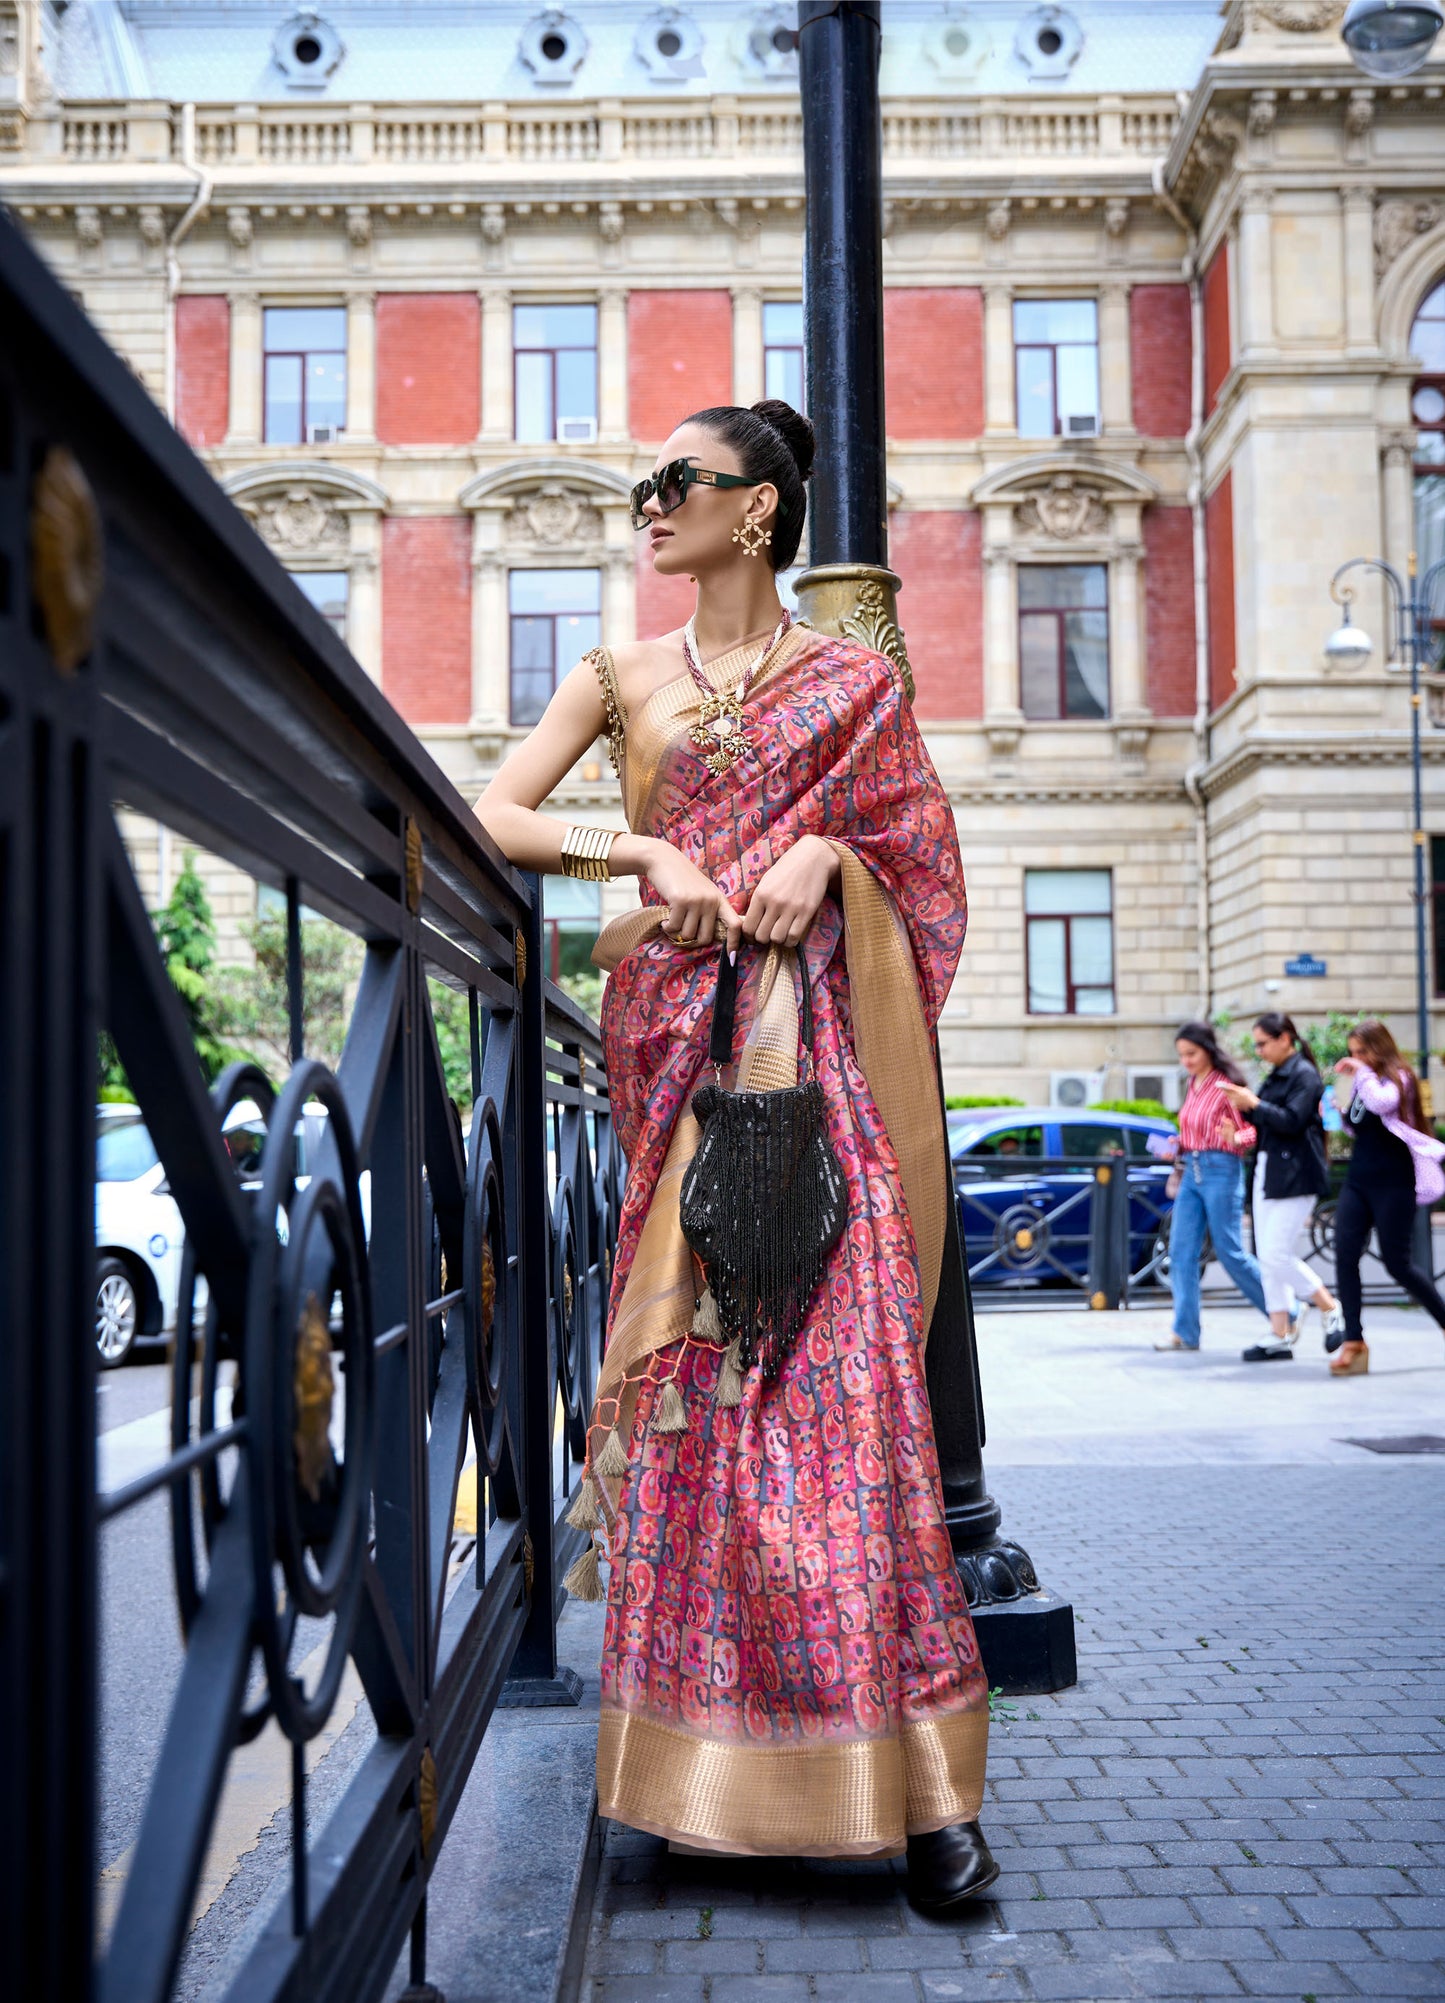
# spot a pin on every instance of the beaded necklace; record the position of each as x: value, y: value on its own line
x: 718, y: 732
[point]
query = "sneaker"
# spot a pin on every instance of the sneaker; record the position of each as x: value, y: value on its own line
x: 1334, y: 1329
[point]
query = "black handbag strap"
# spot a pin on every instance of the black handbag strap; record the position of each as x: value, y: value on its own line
x: 724, y: 1010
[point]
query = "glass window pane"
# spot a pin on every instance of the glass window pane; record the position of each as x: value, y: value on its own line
x: 1067, y: 891
x: 1092, y: 944
x: 328, y: 591
x: 576, y: 383
x: 303, y: 327
x: 783, y: 375
x: 1078, y: 370
x: 325, y: 391
x: 1061, y: 586
x: 1035, y: 369
x: 571, y: 900
x: 1008, y: 1142
x: 532, y: 643
x: 123, y: 1150
x: 555, y: 590
x: 1046, y: 966
x: 554, y: 326
x: 1056, y: 320
x: 1039, y: 665
x: 1086, y: 664
x: 1427, y: 341
x: 1093, y: 1001
x: 1087, y: 1140
x: 783, y: 323
x: 534, y: 399
x: 283, y: 399
x: 1429, y: 519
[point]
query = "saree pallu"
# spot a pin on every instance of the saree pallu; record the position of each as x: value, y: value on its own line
x: 788, y: 1664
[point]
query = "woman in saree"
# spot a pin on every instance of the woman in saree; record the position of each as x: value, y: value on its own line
x: 789, y: 1667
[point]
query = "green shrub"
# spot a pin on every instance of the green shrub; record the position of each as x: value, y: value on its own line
x: 957, y: 1101
x: 1147, y: 1109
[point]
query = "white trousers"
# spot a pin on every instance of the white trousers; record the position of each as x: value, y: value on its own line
x: 1278, y: 1222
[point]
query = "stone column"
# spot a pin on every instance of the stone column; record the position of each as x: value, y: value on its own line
x: 619, y: 591
x: 491, y: 643
x: 1359, y: 209
x: 612, y: 425
x: 1116, y: 376
x: 998, y: 359
x: 1255, y: 265
x: 1399, y: 498
x: 1003, y: 717
x: 747, y: 344
x: 246, y: 368
x: 363, y: 611
x: 361, y: 367
x: 496, y: 364
x: 1128, y: 698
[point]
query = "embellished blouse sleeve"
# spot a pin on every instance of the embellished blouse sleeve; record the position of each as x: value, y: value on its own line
x: 606, y: 673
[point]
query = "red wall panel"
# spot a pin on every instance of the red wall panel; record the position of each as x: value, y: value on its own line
x: 937, y: 553
x: 1218, y: 348
x: 426, y: 616
x: 428, y: 368
x: 203, y: 368
x: 1169, y: 611
x: 663, y: 603
x: 1159, y: 341
x: 679, y: 358
x: 933, y: 361
x: 1219, y: 543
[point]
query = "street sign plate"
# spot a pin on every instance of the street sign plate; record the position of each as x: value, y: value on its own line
x: 1304, y: 966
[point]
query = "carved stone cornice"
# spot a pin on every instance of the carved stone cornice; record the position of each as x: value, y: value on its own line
x: 1259, y: 752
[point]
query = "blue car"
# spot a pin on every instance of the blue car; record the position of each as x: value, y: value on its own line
x: 1024, y: 1176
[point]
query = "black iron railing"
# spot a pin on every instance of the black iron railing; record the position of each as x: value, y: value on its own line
x: 429, y: 1283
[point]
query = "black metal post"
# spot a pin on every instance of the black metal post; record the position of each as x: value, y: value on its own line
x: 1025, y: 1634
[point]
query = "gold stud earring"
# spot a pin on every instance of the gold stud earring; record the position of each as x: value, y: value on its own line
x: 752, y: 537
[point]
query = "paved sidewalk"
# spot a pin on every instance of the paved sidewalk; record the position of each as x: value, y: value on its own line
x: 1245, y: 1793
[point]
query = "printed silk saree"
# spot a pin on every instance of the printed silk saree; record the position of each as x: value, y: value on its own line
x: 788, y: 1667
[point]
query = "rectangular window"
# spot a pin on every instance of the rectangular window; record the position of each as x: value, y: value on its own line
x: 1056, y: 367
x: 1069, y: 941
x: 328, y: 591
x: 1437, y: 908
x: 304, y: 366
x: 571, y: 920
x: 783, y: 351
x: 554, y: 351
x: 556, y: 618
x: 1063, y: 640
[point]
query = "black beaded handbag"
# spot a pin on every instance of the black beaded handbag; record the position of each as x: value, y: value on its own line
x: 764, y: 1199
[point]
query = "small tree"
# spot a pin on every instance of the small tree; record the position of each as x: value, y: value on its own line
x: 186, y: 934
x: 252, y: 1006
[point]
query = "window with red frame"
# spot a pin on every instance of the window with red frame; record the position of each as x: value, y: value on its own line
x: 1063, y: 640
x: 1427, y: 407
x: 1069, y: 941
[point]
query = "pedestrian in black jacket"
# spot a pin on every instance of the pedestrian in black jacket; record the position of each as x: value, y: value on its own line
x: 1290, y: 1175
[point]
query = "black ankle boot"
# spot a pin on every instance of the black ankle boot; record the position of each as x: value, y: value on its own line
x: 947, y: 1866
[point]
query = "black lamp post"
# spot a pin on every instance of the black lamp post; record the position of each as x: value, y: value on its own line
x: 1026, y: 1635
x: 1412, y: 600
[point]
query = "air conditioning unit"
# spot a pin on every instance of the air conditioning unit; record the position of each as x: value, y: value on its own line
x: 1082, y: 427
x: 1075, y: 1088
x: 1149, y: 1081
x: 322, y: 434
x: 577, y: 430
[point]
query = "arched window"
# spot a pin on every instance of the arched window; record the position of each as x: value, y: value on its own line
x: 1427, y: 407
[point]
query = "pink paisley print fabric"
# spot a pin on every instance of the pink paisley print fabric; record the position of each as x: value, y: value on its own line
x: 782, y: 1569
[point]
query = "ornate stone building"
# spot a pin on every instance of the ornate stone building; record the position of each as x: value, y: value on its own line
x: 427, y: 289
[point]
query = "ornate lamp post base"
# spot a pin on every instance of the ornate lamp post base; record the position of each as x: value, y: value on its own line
x: 857, y: 601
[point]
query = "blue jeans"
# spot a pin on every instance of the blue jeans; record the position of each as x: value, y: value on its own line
x: 1212, y: 1194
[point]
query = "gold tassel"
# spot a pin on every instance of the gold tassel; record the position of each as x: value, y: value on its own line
x: 705, y: 1324
x: 612, y: 1461
x: 670, y: 1415
x: 585, y: 1513
x: 584, y: 1581
x: 730, y: 1376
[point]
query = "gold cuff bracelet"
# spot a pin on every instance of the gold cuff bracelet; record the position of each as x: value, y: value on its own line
x: 585, y: 852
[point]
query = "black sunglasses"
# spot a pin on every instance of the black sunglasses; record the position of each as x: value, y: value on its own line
x: 671, y: 482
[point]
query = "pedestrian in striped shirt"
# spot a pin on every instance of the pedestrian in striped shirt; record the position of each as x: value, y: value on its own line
x: 1213, y: 1139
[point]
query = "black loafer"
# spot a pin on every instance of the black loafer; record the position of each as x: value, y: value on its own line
x: 947, y: 1866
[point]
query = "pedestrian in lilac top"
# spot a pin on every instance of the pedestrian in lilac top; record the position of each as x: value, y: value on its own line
x: 1394, y: 1165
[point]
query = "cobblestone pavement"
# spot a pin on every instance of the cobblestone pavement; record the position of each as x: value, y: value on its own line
x: 1244, y: 1795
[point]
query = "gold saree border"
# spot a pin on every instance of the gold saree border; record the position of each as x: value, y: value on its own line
x: 814, y: 1798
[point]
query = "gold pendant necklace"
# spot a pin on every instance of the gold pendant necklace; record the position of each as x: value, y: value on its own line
x: 719, y: 733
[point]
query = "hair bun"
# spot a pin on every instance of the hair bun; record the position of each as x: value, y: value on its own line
x: 794, y: 429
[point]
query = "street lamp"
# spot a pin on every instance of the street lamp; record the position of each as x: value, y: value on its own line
x: 1391, y: 38
x: 1412, y: 599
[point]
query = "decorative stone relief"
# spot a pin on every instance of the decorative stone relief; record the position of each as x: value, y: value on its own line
x: 1397, y: 223
x: 298, y: 521
x: 1065, y: 511
x: 1298, y: 17
x: 554, y: 516
x: 88, y: 231
x: 997, y: 219
x: 240, y: 228
x: 152, y: 226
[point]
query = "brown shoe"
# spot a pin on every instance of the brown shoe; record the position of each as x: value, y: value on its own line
x: 1352, y: 1359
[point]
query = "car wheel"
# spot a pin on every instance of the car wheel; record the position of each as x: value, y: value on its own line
x: 117, y: 1313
